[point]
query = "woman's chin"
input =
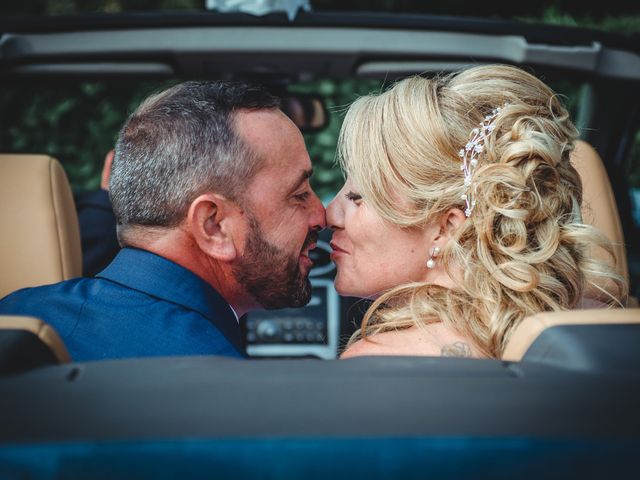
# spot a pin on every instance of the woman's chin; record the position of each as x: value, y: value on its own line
x: 341, y: 291
x: 342, y: 287
x: 347, y: 289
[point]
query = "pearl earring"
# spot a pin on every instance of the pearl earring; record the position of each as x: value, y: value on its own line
x: 434, y: 253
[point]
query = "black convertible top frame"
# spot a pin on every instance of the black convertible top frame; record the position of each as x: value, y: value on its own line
x: 315, y: 44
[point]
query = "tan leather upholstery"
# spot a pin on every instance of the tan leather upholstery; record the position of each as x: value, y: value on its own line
x: 40, y: 239
x: 44, y: 332
x: 598, y: 203
x: 531, y: 327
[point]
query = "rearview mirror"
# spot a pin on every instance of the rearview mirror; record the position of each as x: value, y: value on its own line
x: 308, y: 112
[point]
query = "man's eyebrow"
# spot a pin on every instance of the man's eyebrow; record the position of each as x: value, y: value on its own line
x: 306, y: 175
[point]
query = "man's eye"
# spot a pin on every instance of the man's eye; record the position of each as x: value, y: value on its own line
x: 303, y: 197
x: 354, y: 197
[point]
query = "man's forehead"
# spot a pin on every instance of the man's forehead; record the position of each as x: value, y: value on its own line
x: 273, y: 137
x: 262, y: 128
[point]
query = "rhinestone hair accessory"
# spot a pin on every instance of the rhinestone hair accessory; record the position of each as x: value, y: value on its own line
x: 469, y: 155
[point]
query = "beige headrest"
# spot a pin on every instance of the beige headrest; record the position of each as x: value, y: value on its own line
x: 43, y: 331
x: 40, y: 241
x: 531, y: 327
x: 598, y: 202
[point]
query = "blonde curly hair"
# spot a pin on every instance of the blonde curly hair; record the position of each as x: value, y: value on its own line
x: 524, y: 249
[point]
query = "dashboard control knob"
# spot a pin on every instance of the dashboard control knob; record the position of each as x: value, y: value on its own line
x: 268, y: 329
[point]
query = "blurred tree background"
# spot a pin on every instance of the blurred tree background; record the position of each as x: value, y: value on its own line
x: 78, y: 122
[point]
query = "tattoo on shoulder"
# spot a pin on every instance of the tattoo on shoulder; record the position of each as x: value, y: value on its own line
x: 456, y: 349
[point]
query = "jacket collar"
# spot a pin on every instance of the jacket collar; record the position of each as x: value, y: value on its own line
x: 161, y: 278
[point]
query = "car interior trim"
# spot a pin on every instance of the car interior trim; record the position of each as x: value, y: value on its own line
x: 197, y: 48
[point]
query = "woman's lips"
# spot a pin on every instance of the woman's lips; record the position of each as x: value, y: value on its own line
x: 337, y: 251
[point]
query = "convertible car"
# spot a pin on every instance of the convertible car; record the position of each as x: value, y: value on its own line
x: 561, y: 403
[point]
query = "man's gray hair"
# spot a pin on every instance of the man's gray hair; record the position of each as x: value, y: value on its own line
x: 179, y: 144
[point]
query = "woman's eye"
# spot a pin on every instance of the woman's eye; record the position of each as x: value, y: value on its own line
x: 354, y: 197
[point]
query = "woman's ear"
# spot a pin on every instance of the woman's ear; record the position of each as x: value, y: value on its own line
x: 210, y: 222
x: 450, y: 221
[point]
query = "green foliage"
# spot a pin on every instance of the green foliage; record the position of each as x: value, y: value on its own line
x: 75, y: 123
x: 625, y: 24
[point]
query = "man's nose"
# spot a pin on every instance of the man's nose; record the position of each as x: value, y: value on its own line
x: 333, y: 214
x: 318, y: 220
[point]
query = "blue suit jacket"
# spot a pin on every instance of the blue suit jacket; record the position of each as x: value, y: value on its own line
x: 140, y: 305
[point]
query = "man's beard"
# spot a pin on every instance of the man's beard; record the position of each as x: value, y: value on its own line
x: 271, y: 275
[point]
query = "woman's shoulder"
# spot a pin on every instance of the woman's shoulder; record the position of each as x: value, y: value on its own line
x: 434, y: 339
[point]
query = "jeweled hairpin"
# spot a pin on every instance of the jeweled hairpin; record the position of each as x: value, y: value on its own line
x: 469, y: 155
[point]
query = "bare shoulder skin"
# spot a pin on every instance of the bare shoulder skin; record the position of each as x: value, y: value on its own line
x: 434, y: 340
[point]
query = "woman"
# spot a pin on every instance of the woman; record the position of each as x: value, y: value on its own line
x: 461, y: 214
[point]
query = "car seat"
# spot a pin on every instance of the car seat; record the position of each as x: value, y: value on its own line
x: 40, y: 241
x: 599, y: 204
x: 26, y: 343
x: 595, y: 340
x: 40, y: 244
x: 598, y: 201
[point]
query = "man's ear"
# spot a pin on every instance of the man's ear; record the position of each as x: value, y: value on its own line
x: 210, y: 220
x: 106, y: 170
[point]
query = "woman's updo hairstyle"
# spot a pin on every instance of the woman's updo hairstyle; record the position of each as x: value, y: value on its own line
x: 523, y: 249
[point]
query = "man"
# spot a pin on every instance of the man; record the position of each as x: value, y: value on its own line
x: 210, y: 191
